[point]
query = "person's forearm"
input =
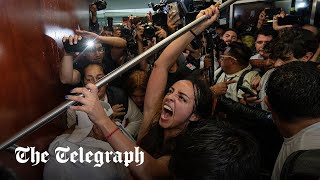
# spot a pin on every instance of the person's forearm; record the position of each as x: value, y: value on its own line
x: 113, y: 41
x: 119, y: 142
x: 66, y: 72
x: 140, y: 46
x: 316, y: 55
x: 94, y: 19
x: 143, y: 63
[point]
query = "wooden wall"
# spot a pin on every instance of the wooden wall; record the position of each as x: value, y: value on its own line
x: 30, y: 56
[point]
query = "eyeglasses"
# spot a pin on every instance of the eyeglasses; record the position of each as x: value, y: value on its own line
x: 222, y: 57
x: 93, y: 50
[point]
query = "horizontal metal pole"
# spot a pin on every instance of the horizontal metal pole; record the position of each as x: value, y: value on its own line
x: 48, y: 117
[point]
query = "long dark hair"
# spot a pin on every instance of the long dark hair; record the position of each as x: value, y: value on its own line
x: 153, y: 141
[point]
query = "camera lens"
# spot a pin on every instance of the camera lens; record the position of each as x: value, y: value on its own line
x: 148, y: 32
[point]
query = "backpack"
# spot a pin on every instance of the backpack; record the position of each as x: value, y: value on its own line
x: 303, y: 164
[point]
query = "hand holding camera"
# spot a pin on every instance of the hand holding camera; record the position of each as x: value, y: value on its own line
x: 278, y: 18
x: 139, y: 30
x: 262, y: 19
x: 73, y: 44
x: 93, y: 9
x: 80, y: 42
x: 173, y: 21
x: 160, y: 33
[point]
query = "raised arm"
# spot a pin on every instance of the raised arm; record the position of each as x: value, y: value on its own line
x: 158, y: 78
x: 68, y: 75
x: 112, y: 41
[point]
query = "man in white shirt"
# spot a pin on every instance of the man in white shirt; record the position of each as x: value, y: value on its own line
x: 234, y: 63
x: 293, y: 97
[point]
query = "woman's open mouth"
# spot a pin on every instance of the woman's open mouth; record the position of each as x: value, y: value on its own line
x: 167, y: 112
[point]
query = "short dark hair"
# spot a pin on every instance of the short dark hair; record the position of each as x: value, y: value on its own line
x: 297, y: 41
x: 215, y: 151
x: 90, y: 64
x: 266, y: 31
x: 234, y: 30
x: 293, y: 91
x: 240, y: 51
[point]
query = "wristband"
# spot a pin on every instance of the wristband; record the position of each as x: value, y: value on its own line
x: 193, y: 33
x: 112, y: 133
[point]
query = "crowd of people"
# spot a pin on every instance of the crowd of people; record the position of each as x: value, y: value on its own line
x: 198, y: 110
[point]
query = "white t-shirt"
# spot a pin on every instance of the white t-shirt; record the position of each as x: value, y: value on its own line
x: 308, y: 138
x: 262, y: 87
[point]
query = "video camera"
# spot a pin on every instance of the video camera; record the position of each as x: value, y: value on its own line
x: 184, y: 8
x: 213, y: 39
x: 149, y: 31
x: 160, y: 16
x: 101, y: 4
x: 126, y: 33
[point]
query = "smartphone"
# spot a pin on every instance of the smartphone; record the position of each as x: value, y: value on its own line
x: 270, y: 12
x: 174, y: 9
x: 79, y: 47
x: 289, y: 20
x: 248, y: 91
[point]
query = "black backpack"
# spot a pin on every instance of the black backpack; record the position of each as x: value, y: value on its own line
x: 303, y: 164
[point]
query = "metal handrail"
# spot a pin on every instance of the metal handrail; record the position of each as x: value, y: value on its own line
x: 48, y: 117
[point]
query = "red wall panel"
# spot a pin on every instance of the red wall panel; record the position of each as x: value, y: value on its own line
x: 30, y: 56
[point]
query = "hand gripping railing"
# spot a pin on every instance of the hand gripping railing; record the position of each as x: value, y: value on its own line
x: 48, y: 117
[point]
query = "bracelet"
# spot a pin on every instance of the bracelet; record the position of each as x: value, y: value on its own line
x: 193, y: 33
x: 112, y: 133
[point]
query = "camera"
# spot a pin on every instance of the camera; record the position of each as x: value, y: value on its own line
x: 81, y: 45
x: 101, y: 5
x: 160, y: 19
x: 160, y: 16
x: 214, y: 40
x: 184, y: 8
x: 149, y: 31
x: 290, y: 20
x: 126, y: 33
